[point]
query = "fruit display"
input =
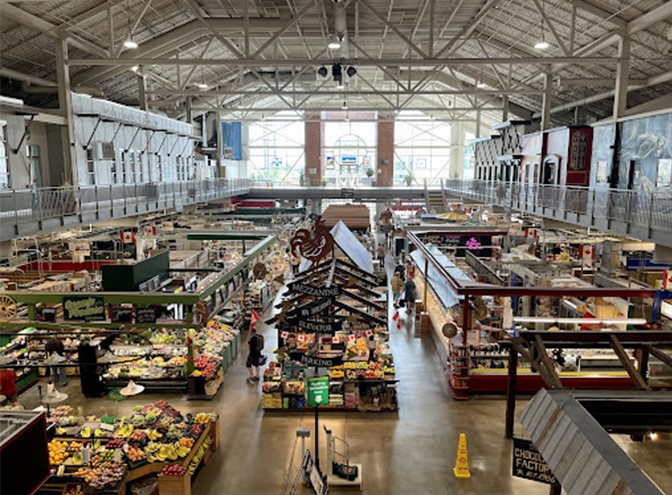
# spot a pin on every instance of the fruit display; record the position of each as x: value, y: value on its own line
x: 57, y: 452
x: 135, y: 454
x: 173, y: 470
x: 198, y: 456
x: 103, y: 475
x: 73, y: 491
x: 116, y: 443
x: 155, y: 433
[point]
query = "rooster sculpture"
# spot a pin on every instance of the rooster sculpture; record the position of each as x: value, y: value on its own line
x: 313, y: 244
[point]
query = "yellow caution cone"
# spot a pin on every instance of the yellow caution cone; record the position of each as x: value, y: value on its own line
x: 461, y: 469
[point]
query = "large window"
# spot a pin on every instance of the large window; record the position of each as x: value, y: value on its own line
x: 422, y: 149
x: 276, y: 150
x: 350, y: 151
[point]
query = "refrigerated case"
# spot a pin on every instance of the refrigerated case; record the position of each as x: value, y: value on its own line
x: 23, y: 449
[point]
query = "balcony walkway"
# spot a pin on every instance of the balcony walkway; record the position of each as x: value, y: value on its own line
x: 35, y: 211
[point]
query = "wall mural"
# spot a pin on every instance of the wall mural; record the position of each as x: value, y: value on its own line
x: 646, y: 145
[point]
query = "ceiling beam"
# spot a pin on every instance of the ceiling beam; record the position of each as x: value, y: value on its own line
x: 53, y: 31
x: 402, y: 62
x: 223, y: 92
x: 599, y: 13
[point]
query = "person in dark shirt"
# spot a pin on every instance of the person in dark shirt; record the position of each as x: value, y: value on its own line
x: 55, y: 346
x: 409, y: 295
x: 255, y: 344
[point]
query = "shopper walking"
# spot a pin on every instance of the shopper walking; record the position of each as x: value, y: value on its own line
x: 56, y: 355
x: 409, y: 295
x: 397, y: 284
x: 254, y: 357
x: 381, y: 255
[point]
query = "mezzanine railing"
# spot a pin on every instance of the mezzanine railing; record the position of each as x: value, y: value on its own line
x: 34, y: 210
x: 642, y: 214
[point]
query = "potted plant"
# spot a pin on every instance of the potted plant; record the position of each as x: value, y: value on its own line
x: 409, y: 179
x: 302, y: 178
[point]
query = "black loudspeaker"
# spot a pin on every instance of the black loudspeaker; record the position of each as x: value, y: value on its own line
x: 92, y: 383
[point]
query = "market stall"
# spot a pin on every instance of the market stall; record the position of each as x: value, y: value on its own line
x: 155, y: 446
x: 470, y: 319
x: 188, y: 319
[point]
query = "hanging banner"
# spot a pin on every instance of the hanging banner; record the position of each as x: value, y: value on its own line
x: 84, y: 308
x: 311, y: 290
x: 316, y: 307
x: 528, y: 463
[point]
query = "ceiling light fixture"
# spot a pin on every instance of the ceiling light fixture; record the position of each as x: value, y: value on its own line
x: 334, y: 45
x: 542, y: 44
x: 202, y: 86
x: 340, y: 85
x: 130, y: 44
x: 135, y: 68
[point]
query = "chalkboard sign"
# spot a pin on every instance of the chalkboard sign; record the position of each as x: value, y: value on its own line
x: 528, y: 463
x: 84, y: 308
x: 121, y: 314
x: 145, y: 315
x: 46, y: 314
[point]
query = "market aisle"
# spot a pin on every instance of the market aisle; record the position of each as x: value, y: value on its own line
x: 408, y: 452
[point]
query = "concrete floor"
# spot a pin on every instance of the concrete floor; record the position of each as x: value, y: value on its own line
x: 409, y: 452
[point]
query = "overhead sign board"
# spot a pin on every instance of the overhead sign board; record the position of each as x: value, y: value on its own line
x: 528, y: 463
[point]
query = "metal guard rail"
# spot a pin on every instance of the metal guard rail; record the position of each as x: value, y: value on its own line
x: 626, y: 212
x: 92, y: 203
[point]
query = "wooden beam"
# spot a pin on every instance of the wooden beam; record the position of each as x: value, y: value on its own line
x: 627, y: 364
x: 547, y: 364
x: 660, y: 355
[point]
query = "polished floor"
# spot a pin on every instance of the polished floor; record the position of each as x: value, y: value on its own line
x: 405, y: 453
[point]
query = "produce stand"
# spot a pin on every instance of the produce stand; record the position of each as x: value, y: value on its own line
x: 137, y: 455
x: 333, y: 318
x: 188, y: 300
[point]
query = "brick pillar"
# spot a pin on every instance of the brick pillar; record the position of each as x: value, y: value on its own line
x: 385, y: 150
x: 313, y: 150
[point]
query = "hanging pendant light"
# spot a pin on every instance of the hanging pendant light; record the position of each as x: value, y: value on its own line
x: 542, y: 44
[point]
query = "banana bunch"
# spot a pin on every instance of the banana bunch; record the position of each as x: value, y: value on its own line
x: 154, y: 435
x: 124, y: 431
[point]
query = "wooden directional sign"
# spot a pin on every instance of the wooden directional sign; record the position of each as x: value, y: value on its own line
x: 315, y: 326
x: 310, y: 290
x: 322, y: 362
x: 316, y: 307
